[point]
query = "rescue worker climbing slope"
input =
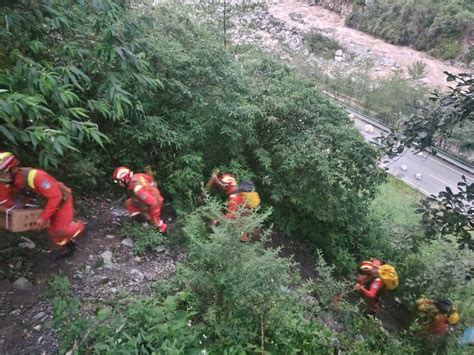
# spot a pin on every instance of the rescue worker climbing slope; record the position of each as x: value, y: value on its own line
x: 228, y: 184
x: 58, y: 210
x: 369, y: 284
x: 147, y: 199
x: 235, y: 200
x: 373, y: 278
x: 436, y: 316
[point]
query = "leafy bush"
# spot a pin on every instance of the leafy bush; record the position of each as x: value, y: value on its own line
x: 447, y: 49
x: 145, y: 237
x: 321, y: 45
x: 80, y: 72
x: 417, y: 70
x: 67, y: 319
x: 227, y: 297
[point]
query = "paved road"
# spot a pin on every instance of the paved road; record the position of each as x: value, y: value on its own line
x: 434, y: 173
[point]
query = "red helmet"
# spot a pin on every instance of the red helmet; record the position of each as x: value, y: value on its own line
x: 228, y: 182
x: 8, y: 161
x: 122, y: 174
x: 366, y: 267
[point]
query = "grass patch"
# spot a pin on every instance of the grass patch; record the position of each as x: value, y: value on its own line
x: 396, y: 202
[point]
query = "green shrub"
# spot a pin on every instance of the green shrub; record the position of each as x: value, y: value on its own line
x: 67, y: 319
x: 321, y: 45
x: 144, y: 236
x: 434, y: 26
x: 448, y: 49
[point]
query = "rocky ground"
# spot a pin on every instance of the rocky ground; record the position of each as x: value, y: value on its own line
x: 281, y: 28
x: 102, y: 268
x: 103, y: 271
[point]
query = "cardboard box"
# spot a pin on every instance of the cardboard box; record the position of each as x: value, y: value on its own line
x: 19, y: 219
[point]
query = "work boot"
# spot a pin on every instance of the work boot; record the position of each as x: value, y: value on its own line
x: 80, y: 228
x: 64, y: 251
x: 162, y: 226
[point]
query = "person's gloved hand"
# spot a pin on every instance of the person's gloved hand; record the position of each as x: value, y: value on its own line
x: 41, y: 223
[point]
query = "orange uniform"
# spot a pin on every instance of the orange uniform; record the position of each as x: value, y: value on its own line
x: 147, y: 199
x: 6, y: 196
x: 369, y: 284
x: 235, y: 201
x: 370, y: 289
x: 436, y: 316
x: 58, y: 209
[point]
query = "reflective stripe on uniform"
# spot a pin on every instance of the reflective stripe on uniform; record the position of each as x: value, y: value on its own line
x: 31, y: 178
x: 137, y: 188
x: 62, y: 242
x: 5, y: 155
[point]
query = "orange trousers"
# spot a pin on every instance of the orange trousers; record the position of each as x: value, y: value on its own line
x: 62, y: 229
x: 153, y: 213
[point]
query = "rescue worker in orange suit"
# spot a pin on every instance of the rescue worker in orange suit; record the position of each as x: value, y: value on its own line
x: 436, y: 317
x: 369, y: 284
x: 235, y: 201
x: 147, y: 199
x: 6, y: 192
x: 58, y: 209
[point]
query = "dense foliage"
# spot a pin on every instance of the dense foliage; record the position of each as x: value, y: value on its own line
x: 449, y: 213
x: 233, y: 298
x: 90, y: 85
x: 434, y: 26
x: 159, y: 88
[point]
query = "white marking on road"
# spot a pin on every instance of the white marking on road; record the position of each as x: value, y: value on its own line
x: 442, y: 181
x: 450, y: 168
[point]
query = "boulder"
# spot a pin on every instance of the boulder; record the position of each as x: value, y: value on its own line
x: 22, y: 284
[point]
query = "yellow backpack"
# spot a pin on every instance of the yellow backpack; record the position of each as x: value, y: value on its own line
x: 247, y: 189
x: 389, y: 277
x: 252, y: 199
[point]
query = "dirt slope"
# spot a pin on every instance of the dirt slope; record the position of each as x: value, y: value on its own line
x: 25, y: 314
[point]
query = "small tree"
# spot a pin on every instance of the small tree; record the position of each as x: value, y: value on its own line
x: 417, y: 70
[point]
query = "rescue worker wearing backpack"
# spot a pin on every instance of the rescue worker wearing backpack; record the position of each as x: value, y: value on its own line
x: 373, y: 278
x: 436, y: 316
x: 146, y: 200
x: 238, y: 195
x: 58, y: 210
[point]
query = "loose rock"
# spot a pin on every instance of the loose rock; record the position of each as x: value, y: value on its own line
x: 127, y: 242
x: 22, y: 284
x: 160, y: 249
x: 137, y: 275
x: 107, y: 257
x: 39, y: 317
x: 27, y: 243
x: 100, y: 280
x: 15, y: 312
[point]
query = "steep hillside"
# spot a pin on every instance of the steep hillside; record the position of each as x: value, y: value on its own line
x: 444, y: 29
